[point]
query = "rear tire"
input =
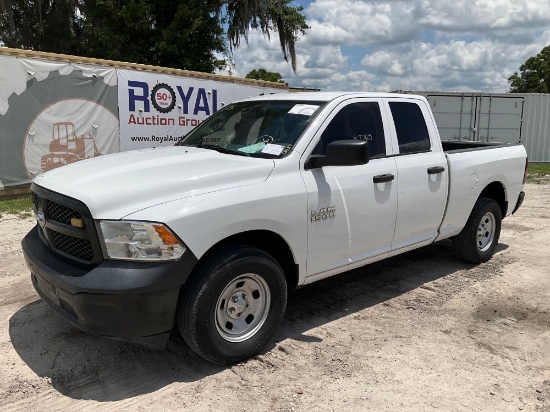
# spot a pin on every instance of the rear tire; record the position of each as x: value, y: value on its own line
x: 233, y: 304
x: 479, y: 238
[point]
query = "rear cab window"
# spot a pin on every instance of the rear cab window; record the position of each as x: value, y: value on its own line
x: 410, y: 126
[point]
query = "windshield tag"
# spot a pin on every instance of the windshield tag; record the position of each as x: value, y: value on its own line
x: 304, y: 109
x: 273, y: 149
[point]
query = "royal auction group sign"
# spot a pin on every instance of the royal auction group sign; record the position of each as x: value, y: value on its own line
x: 159, y: 109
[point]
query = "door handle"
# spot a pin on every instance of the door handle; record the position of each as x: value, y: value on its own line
x: 383, y: 178
x: 435, y: 170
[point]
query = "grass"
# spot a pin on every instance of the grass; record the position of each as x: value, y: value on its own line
x: 20, y: 207
x: 538, y: 173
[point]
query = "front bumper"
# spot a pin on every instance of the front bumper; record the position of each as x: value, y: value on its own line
x: 132, y: 301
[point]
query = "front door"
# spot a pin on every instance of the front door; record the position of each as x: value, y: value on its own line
x: 351, y: 209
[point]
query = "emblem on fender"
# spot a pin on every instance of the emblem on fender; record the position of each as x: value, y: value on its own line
x: 323, y: 214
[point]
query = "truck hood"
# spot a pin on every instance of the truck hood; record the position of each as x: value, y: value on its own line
x: 116, y: 185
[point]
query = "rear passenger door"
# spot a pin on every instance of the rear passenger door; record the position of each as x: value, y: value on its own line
x: 421, y: 172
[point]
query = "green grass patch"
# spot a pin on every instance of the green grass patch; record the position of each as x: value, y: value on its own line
x: 21, y: 207
x: 538, y: 173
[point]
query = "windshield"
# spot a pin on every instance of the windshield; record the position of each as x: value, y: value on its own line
x: 258, y: 128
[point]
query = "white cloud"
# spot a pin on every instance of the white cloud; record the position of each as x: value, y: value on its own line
x: 455, y: 65
x: 361, y: 23
x: 407, y: 44
x: 315, y: 63
x: 467, y: 15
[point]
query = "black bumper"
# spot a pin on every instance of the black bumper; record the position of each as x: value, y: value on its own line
x: 132, y: 301
x: 519, y: 202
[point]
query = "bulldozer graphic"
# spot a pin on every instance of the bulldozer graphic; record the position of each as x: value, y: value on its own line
x: 67, y: 147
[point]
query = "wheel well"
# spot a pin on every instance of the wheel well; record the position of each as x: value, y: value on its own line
x: 496, y: 192
x: 269, y: 242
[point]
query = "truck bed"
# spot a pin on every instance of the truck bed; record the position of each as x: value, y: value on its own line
x: 472, y: 168
x: 450, y: 146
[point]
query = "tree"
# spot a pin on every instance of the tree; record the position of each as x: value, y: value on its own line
x: 171, y: 33
x: 263, y: 74
x: 265, y: 15
x: 40, y: 25
x: 534, y: 74
x: 186, y: 34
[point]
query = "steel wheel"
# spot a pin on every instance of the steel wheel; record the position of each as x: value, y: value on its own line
x: 233, y: 304
x: 479, y: 237
x: 486, y: 231
x: 242, y: 307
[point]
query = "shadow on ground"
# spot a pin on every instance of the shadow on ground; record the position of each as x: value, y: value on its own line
x: 82, y: 366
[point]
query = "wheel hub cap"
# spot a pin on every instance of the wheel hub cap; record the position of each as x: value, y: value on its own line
x: 237, y: 305
x: 242, y: 307
x: 486, y: 231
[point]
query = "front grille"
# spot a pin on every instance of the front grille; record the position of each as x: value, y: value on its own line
x: 79, y: 248
x: 79, y: 243
x: 61, y: 213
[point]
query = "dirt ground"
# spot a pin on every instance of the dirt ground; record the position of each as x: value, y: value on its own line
x: 422, y: 331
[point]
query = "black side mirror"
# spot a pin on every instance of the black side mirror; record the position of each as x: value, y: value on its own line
x: 341, y: 153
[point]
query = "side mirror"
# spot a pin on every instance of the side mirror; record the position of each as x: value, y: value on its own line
x: 342, y: 153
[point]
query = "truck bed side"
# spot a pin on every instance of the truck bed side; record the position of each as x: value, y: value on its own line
x: 449, y: 146
x: 498, y: 169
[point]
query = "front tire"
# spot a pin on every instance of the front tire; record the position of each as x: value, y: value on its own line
x: 479, y: 237
x: 233, y: 304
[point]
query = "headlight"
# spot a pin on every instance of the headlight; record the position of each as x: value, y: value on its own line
x: 140, y: 241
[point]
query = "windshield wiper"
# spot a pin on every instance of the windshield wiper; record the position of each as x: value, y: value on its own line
x: 222, y: 149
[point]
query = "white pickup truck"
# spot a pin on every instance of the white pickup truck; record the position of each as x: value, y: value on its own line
x: 267, y: 195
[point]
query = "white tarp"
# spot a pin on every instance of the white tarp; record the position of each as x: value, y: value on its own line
x: 15, y: 72
x: 13, y: 80
x: 158, y: 109
x: 53, y: 113
x: 67, y: 131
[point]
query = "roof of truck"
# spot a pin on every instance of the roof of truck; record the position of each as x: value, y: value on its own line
x: 326, y: 96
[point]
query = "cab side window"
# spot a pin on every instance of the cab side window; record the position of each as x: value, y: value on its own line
x: 356, y: 121
x: 412, y: 133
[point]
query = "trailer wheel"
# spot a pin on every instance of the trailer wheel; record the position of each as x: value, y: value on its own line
x: 479, y: 238
x: 232, y: 305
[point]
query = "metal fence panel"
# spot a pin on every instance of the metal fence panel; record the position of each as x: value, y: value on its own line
x: 498, y: 117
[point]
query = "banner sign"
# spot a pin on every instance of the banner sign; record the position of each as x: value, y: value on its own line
x: 159, y: 109
x: 53, y: 114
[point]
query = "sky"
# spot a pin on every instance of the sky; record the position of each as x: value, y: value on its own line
x: 372, y: 45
